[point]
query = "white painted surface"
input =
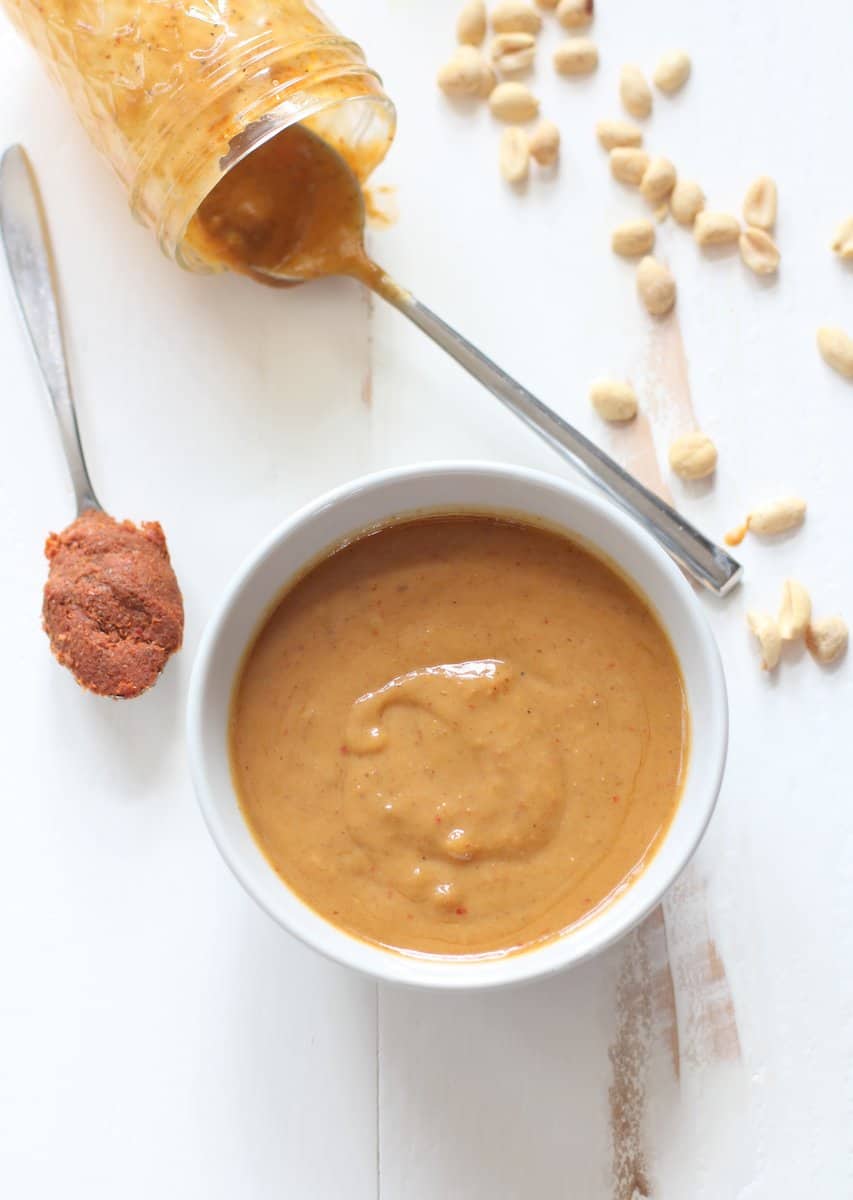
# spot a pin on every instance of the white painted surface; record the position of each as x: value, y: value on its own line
x: 158, y: 1036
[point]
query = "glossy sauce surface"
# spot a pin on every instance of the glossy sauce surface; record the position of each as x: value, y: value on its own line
x: 459, y: 735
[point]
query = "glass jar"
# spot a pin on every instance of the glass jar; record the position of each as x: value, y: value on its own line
x: 176, y: 92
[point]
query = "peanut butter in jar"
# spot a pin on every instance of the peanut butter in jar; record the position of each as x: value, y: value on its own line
x: 177, y: 93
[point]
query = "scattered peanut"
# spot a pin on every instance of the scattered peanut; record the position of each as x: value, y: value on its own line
x: 837, y: 349
x: 575, y: 14
x: 716, y: 228
x: 656, y: 286
x: 513, y: 102
x: 618, y: 133
x: 759, y: 251
x: 545, y: 143
x: 628, y: 165
x: 766, y: 630
x: 577, y: 56
x: 658, y: 180
x: 633, y: 238
x: 471, y: 23
x: 686, y: 201
x: 513, y: 51
x: 466, y: 74
x: 547, y: 4
x: 613, y: 400
x: 514, y: 154
x: 777, y: 517
x: 795, y: 611
x: 827, y: 639
x: 515, y: 16
x: 842, y: 243
x: 693, y: 455
x: 672, y: 71
x: 634, y: 92
x: 759, y: 203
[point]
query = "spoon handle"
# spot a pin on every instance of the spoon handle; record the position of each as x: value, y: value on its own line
x: 25, y: 237
x: 710, y: 564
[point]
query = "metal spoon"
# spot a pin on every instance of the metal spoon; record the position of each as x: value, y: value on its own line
x: 710, y: 564
x: 25, y: 240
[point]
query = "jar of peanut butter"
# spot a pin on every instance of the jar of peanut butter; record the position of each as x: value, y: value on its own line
x: 175, y: 93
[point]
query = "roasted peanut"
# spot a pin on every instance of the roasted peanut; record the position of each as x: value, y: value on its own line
x: 466, y: 74
x: 633, y: 238
x: 766, y: 630
x: 628, y: 164
x: 577, y: 56
x: 471, y: 23
x: 514, y: 154
x: 795, y: 611
x: 635, y: 93
x: 827, y: 639
x: 618, y: 133
x: 842, y: 243
x: 715, y: 228
x: 759, y: 251
x: 655, y: 286
x: 672, y: 71
x: 545, y: 143
x: 613, y: 400
x: 686, y: 201
x: 513, y: 102
x: 515, y: 16
x: 575, y: 14
x: 693, y: 455
x: 549, y: 5
x: 837, y: 349
x: 658, y: 180
x: 513, y: 51
x: 778, y: 516
x: 759, y: 203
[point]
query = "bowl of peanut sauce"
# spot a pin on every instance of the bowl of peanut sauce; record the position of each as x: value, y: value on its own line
x: 458, y: 725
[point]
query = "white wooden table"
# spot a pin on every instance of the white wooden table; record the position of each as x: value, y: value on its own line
x: 159, y: 1037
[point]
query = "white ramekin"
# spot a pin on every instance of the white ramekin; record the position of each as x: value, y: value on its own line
x: 485, y: 487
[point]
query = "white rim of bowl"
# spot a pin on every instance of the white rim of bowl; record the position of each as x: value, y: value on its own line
x: 387, y: 965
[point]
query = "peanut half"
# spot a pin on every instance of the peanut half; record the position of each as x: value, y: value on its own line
x: 716, y: 228
x: 471, y: 23
x: 655, y: 286
x: 693, y: 455
x: 658, y: 180
x: 672, y: 71
x: 795, y: 611
x: 466, y: 74
x: 842, y: 243
x: 575, y: 14
x: 513, y: 102
x: 766, y: 630
x: 513, y: 51
x: 634, y: 92
x: 760, y: 202
x: 632, y: 239
x: 618, y: 133
x: 514, y: 154
x: 515, y: 16
x: 837, y: 349
x: 778, y: 516
x: 628, y: 164
x: 549, y: 5
x: 577, y: 56
x: 759, y: 251
x: 613, y: 400
x: 686, y: 201
x: 545, y: 143
x: 827, y: 639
